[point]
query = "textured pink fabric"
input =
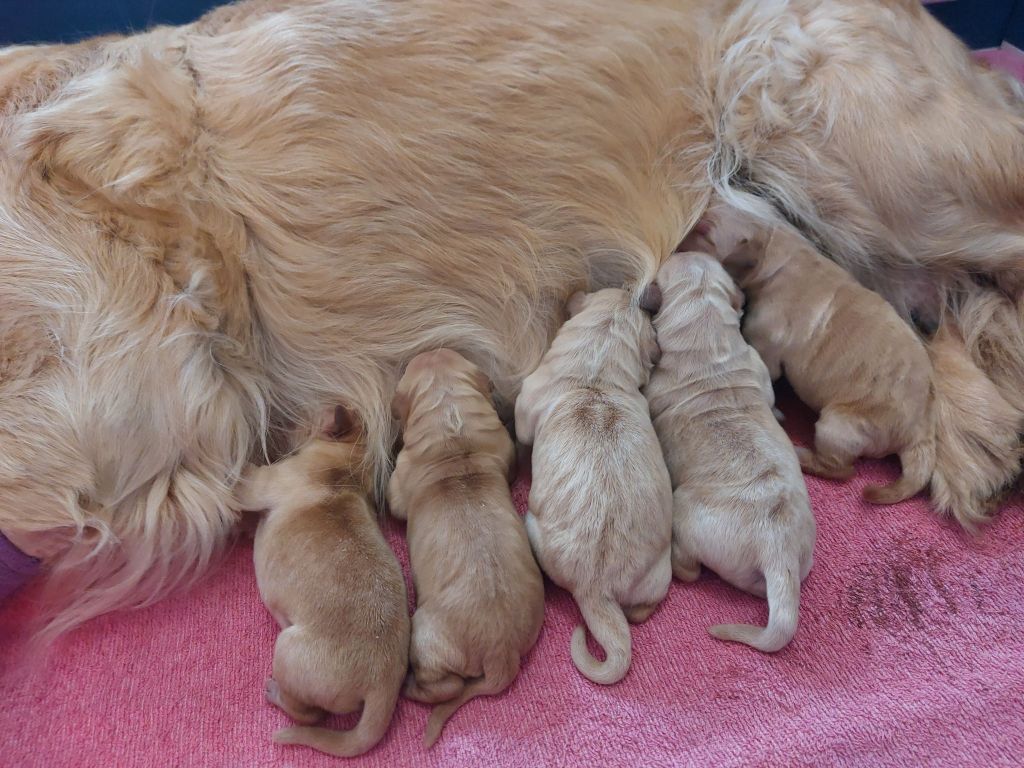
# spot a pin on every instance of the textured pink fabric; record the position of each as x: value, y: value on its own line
x: 910, y: 653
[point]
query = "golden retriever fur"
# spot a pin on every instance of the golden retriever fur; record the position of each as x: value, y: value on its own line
x: 600, y: 507
x: 844, y: 349
x: 740, y: 506
x: 208, y: 232
x: 849, y: 356
x: 479, y: 591
x: 334, y: 586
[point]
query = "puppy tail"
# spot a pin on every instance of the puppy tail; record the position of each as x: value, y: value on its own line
x: 377, y: 710
x: 608, y: 625
x: 918, y: 465
x: 978, y: 453
x: 783, y: 615
x: 493, y: 681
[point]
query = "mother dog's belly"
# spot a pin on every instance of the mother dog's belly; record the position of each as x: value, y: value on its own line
x: 403, y: 189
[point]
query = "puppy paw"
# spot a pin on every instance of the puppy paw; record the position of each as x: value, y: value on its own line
x: 273, y: 692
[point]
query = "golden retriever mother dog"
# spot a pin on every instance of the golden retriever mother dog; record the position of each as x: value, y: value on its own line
x: 209, y: 232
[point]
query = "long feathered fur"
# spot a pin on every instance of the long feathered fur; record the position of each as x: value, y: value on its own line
x: 209, y: 232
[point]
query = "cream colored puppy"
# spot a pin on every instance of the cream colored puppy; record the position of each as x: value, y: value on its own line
x: 740, y: 503
x: 600, y: 518
x: 842, y: 347
x: 480, y: 593
x: 330, y: 580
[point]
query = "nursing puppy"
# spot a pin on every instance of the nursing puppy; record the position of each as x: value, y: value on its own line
x: 329, y: 579
x: 849, y: 355
x: 600, y: 517
x: 843, y: 348
x: 740, y: 504
x: 480, y: 594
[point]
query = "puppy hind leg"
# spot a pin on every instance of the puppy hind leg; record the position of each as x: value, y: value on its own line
x: 839, y: 440
x: 431, y: 661
x: 685, y: 563
x: 650, y: 592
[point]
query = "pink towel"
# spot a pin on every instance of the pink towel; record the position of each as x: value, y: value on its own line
x: 910, y: 652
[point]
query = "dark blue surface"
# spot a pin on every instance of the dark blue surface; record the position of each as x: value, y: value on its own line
x: 981, y: 23
x: 32, y: 21
x: 1015, y: 29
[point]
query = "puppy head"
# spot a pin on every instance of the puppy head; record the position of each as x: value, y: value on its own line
x: 699, y: 274
x: 433, y: 370
x: 725, y: 229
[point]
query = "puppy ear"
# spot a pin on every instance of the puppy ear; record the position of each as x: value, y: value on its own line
x: 338, y: 423
x: 576, y: 303
x: 650, y: 298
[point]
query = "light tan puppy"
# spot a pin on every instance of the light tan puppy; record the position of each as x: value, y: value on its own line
x: 329, y: 579
x: 740, y: 503
x: 600, y: 517
x: 850, y: 356
x: 479, y: 591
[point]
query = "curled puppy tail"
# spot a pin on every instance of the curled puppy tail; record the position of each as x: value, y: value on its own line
x: 373, y: 724
x: 607, y: 623
x: 783, y: 615
x: 495, y: 680
x: 977, y: 432
x: 918, y: 462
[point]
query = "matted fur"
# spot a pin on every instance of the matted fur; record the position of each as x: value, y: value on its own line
x: 207, y: 232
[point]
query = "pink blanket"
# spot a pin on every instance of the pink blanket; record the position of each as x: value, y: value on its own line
x: 910, y: 653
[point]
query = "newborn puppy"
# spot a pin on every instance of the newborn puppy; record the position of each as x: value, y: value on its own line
x: 843, y: 348
x: 600, y: 518
x: 480, y: 595
x: 330, y: 580
x: 740, y: 503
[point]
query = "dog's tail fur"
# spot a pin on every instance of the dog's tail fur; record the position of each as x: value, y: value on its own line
x: 783, y: 614
x: 377, y: 710
x: 495, y: 679
x: 918, y: 462
x: 992, y: 327
x: 607, y: 623
x: 976, y: 433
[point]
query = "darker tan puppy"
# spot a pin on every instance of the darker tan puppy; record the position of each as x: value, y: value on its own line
x: 875, y: 384
x: 479, y: 591
x: 332, y: 583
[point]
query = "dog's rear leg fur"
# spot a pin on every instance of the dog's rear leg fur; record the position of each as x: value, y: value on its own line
x: 934, y: 192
